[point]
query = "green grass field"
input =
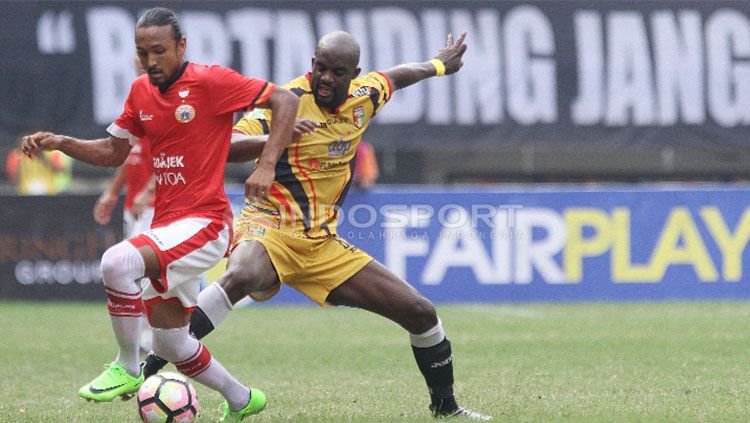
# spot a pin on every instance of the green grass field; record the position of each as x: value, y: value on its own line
x: 678, y: 362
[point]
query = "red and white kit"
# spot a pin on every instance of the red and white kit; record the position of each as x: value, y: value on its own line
x: 189, y: 126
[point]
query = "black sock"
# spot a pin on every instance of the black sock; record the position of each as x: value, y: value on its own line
x: 200, y: 326
x: 436, y: 365
x: 152, y: 364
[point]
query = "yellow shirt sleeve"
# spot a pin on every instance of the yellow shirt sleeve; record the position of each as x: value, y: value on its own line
x: 382, y: 84
x: 255, y: 122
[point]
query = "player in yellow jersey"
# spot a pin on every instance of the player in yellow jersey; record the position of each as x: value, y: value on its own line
x: 289, y: 237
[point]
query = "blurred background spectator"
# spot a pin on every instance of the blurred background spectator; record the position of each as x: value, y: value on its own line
x: 366, y: 166
x: 48, y: 176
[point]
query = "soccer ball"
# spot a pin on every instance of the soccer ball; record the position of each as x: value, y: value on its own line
x: 167, y: 397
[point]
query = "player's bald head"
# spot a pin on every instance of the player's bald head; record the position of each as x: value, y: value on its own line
x: 341, y: 45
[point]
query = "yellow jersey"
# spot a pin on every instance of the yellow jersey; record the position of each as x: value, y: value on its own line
x: 314, y: 173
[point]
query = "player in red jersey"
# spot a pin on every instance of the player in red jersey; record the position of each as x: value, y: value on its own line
x: 186, y: 110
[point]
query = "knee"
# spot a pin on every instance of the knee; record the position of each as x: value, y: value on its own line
x: 423, y: 316
x: 121, y: 262
x: 109, y: 264
x: 239, y: 281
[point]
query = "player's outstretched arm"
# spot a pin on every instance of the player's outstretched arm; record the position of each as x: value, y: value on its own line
x: 283, y: 104
x: 102, y: 152
x: 447, y: 61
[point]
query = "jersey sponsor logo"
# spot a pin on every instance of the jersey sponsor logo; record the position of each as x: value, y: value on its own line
x: 143, y: 117
x: 339, y: 148
x: 358, y: 115
x: 333, y: 121
x: 169, y: 162
x: 333, y: 165
x: 361, y: 91
x: 184, y: 113
x: 313, y: 164
x: 170, y: 178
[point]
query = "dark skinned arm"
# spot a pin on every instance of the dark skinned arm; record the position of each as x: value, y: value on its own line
x: 247, y: 148
x: 451, y: 55
x: 250, y: 147
x: 283, y: 104
x: 109, y: 152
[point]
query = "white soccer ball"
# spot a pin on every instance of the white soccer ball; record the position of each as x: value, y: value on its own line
x: 167, y: 397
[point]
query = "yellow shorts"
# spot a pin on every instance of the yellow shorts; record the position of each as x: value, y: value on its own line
x: 312, y: 266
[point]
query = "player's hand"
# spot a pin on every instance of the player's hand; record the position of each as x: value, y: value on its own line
x: 259, y: 183
x: 304, y: 126
x: 140, y: 202
x: 451, y: 55
x: 32, y: 144
x: 103, y: 208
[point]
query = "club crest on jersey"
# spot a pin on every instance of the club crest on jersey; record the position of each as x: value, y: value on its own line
x: 358, y: 115
x: 184, y: 113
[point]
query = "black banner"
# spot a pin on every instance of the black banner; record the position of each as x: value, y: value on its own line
x: 50, y: 247
x: 584, y: 74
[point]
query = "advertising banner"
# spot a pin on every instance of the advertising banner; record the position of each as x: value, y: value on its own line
x: 50, y: 247
x: 598, y: 74
x: 556, y: 244
x: 456, y: 245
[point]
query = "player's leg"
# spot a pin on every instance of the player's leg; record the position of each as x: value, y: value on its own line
x: 173, y: 342
x: 122, y: 265
x: 249, y: 269
x: 378, y: 290
x: 188, y: 248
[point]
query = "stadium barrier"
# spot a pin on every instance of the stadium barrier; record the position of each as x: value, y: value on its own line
x: 567, y: 243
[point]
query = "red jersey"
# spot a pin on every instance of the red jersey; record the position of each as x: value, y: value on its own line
x: 138, y: 171
x: 189, y: 126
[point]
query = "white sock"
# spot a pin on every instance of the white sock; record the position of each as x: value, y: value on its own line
x: 215, y: 304
x: 218, y: 378
x: 144, y: 340
x: 121, y: 266
x: 194, y: 360
x: 430, y: 338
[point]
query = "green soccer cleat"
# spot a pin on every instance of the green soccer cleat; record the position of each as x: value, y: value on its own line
x: 112, y: 383
x: 256, y: 404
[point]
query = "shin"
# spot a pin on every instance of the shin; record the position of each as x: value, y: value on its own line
x: 121, y: 266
